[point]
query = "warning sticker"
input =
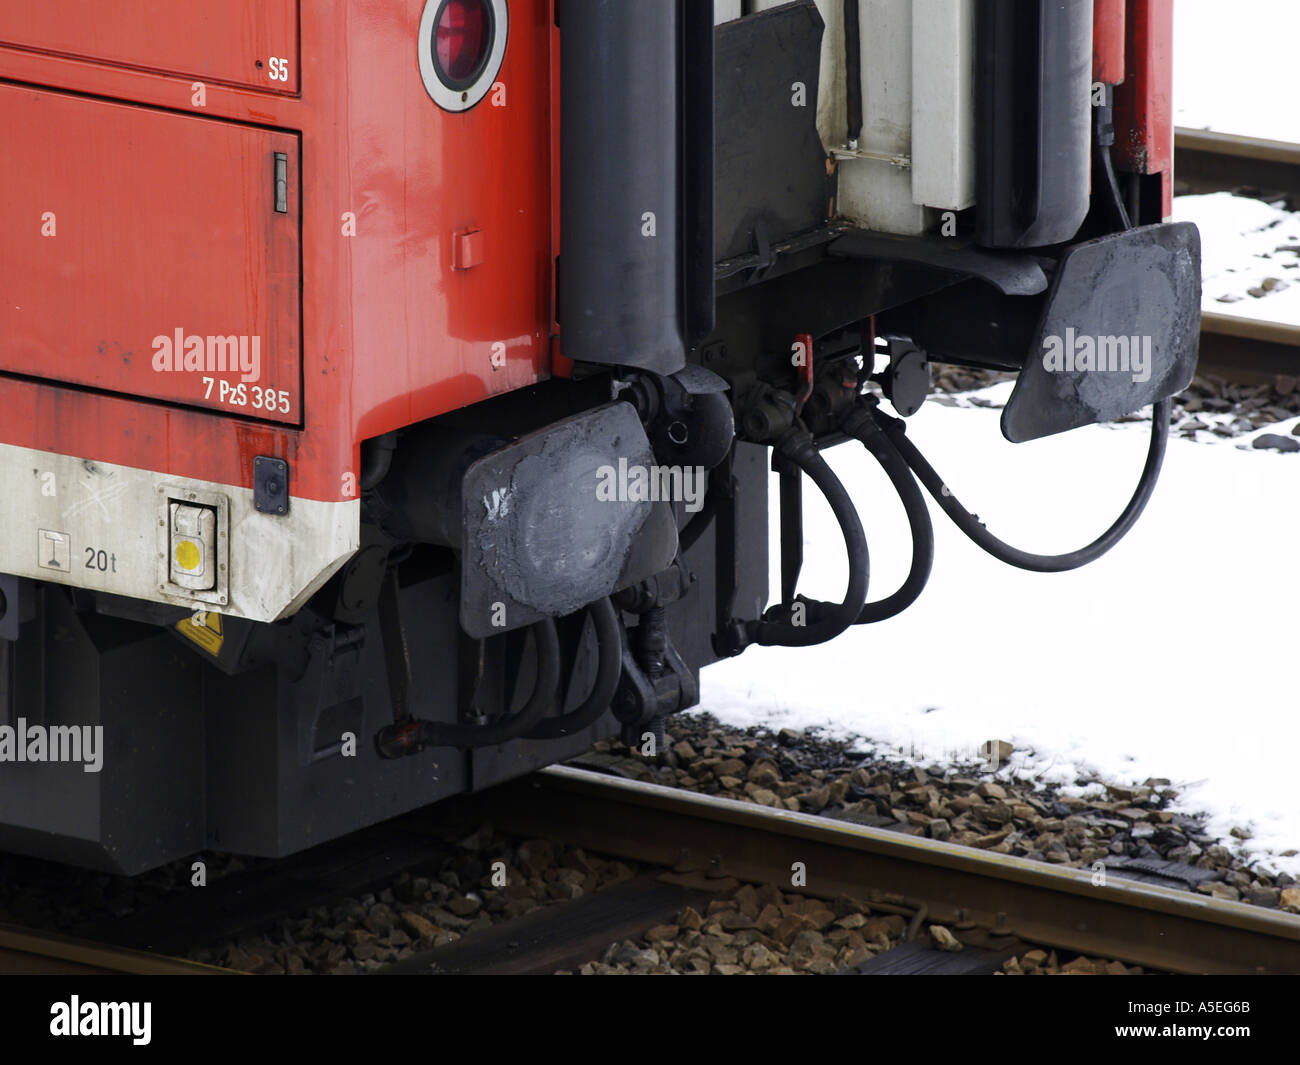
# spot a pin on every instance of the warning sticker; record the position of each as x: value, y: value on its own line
x: 54, y: 550
x: 204, y: 629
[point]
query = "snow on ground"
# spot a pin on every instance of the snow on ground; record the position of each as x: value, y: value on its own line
x: 1237, y: 74
x: 1172, y: 656
x: 1250, y: 255
x: 1235, y: 67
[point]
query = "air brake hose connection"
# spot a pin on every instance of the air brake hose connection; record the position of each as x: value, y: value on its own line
x: 531, y: 722
x: 824, y: 621
x: 413, y: 735
x: 609, y: 667
x: 1012, y: 556
x: 860, y: 423
x: 377, y: 460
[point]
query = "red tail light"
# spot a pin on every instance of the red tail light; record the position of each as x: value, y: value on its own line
x: 462, y: 44
x: 462, y: 41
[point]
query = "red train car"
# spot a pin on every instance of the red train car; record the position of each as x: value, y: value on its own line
x: 388, y: 390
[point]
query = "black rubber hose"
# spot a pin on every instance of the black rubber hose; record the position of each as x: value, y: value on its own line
x: 974, y: 528
x: 824, y: 621
x: 397, y: 740
x: 376, y: 460
x: 861, y: 425
x: 700, y: 520
x: 609, y: 669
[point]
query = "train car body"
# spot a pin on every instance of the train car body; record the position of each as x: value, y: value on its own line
x: 388, y: 390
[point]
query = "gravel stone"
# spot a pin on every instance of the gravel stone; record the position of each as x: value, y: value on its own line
x: 963, y: 804
x: 1274, y: 442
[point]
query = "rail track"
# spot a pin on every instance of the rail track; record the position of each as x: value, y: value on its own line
x: 993, y: 900
x: 1248, y: 350
x: 1245, y: 349
x: 1208, y: 161
x: 28, y: 953
x: 686, y: 849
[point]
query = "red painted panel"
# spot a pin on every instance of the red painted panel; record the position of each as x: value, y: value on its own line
x: 1108, y: 41
x: 391, y: 334
x: 1144, y: 114
x: 145, y: 254
x: 418, y: 177
x: 233, y: 41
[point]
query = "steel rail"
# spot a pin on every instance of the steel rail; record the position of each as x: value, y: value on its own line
x: 1053, y: 906
x: 1207, y: 161
x: 1248, y: 348
x: 26, y: 952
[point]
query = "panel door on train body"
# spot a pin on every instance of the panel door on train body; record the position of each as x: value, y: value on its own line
x: 150, y: 253
x: 253, y: 43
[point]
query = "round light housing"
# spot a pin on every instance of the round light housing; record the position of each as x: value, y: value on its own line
x: 461, y: 46
x: 462, y: 32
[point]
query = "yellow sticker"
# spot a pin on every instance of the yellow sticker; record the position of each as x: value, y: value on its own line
x: 187, y: 555
x: 204, y: 628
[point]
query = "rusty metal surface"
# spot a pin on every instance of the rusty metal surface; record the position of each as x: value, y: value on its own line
x: 27, y: 953
x: 1035, y: 902
x: 1248, y: 349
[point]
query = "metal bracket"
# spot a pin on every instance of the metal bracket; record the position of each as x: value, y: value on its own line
x: 270, y: 485
x: 331, y: 695
x: 639, y: 700
x: 1012, y: 273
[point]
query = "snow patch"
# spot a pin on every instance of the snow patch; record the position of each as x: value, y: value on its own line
x: 1250, y: 256
x: 1169, y: 657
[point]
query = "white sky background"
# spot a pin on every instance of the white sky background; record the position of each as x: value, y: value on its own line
x: 1174, y: 655
x: 1235, y: 66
